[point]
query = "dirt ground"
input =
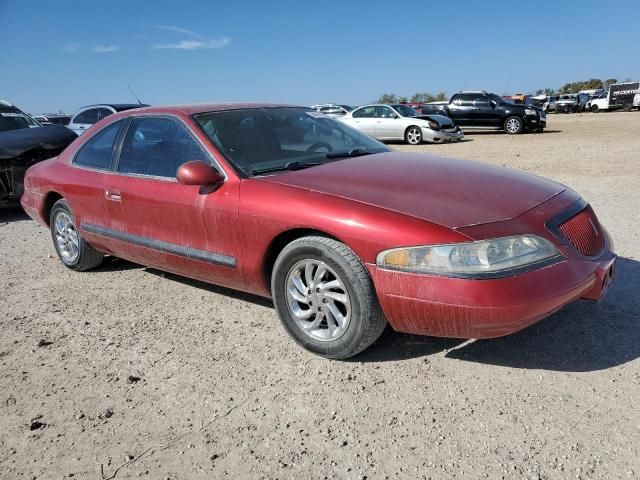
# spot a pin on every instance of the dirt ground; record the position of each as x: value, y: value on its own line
x: 126, y: 372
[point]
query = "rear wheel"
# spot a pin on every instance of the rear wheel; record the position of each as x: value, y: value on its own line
x: 626, y: 107
x: 595, y: 109
x: 325, y: 298
x: 73, y: 250
x: 413, y: 135
x: 513, y: 125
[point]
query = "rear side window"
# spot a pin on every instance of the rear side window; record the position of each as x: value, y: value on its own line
x: 158, y: 147
x: 366, y: 112
x: 98, y: 150
x: 89, y: 117
x: 104, y: 113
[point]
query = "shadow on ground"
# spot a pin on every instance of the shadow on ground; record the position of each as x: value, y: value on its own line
x: 584, y: 336
x: 12, y: 214
x: 469, y: 131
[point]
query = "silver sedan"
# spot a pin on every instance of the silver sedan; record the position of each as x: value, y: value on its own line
x: 401, y: 122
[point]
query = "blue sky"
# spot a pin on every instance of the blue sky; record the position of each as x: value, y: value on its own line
x: 64, y: 54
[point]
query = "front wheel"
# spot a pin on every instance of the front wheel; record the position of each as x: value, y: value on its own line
x: 413, y: 135
x: 626, y: 107
x: 325, y: 298
x: 595, y: 109
x: 513, y: 125
x: 73, y: 250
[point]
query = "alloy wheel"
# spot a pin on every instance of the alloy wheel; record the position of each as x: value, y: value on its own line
x: 414, y: 136
x: 513, y: 125
x: 318, y: 300
x: 66, y: 236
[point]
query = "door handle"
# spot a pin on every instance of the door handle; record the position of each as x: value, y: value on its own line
x: 113, y: 195
x: 475, y: 109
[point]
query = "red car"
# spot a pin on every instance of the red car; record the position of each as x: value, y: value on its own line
x: 342, y: 232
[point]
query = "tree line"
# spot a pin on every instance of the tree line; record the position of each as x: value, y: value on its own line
x: 574, y: 87
x: 422, y: 97
x: 571, y: 87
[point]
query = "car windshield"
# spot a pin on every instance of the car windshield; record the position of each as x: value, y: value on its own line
x: 405, y: 110
x: 16, y: 120
x: 260, y: 140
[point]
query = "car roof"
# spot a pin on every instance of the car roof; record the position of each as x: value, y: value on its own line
x: 195, y: 108
x: 118, y: 107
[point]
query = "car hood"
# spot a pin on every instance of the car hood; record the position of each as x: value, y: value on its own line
x: 441, y: 120
x: 450, y: 192
x: 14, y: 143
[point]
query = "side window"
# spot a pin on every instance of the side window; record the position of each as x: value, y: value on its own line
x: 455, y: 99
x: 366, y: 112
x: 467, y: 99
x: 90, y: 116
x: 483, y: 101
x: 384, y: 112
x: 104, y: 113
x: 98, y: 150
x: 79, y: 118
x: 158, y: 147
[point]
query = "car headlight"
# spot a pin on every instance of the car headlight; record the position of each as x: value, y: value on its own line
x: 432, y: 125
x: 530, y: 111
x: 482, y: 259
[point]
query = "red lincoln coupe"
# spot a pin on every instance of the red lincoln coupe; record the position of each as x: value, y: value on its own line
x: 342, y: 232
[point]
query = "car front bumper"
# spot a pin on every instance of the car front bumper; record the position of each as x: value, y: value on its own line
x: 442, y: 136
x: 464, y: 308
x: 535, y: 122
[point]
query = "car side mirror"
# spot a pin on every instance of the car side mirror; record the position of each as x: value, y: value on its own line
x: 395, y: 115
x: 198, y: 172
x: 493, y: 104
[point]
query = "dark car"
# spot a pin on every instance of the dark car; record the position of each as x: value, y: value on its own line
x: 479, y: 109
x: 24, y: 142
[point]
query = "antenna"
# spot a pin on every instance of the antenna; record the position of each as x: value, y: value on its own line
x: 134, y: 95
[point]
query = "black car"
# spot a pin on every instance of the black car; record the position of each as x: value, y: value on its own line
x: 24, y: 142
x: 479, y: 109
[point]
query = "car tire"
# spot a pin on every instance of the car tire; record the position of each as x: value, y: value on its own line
x: 73, y: 250
x: 513, y: 125
x: 350, y: 318
x: 413, y: 135
x: 626, y: 107
x: 595, y: 109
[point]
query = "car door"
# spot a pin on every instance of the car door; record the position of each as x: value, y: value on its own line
x: 91, y: 164
x: 84, y: 119
x: 156, y: 221
x: 460, y: 109
x: 389, y: 125
x: 364, y: 119
x: 484, y: 112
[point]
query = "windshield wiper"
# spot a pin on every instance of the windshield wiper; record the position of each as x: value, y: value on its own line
x: 286, y: 166
x: 356, y: 152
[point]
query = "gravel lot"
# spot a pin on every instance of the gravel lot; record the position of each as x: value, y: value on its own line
x: 126, y: 372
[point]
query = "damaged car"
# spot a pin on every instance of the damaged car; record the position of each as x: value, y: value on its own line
x: 23, y: 143
x: 401, y: 122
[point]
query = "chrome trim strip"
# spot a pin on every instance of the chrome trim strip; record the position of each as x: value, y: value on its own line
x: 166, y: 247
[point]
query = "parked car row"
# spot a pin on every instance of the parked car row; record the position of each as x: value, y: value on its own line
x: 440, y: 122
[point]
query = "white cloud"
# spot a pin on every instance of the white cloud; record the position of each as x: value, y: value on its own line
x: 172, y: 28
x: 105, y: 48
x: 196, y: 44
x: 72, y: 47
